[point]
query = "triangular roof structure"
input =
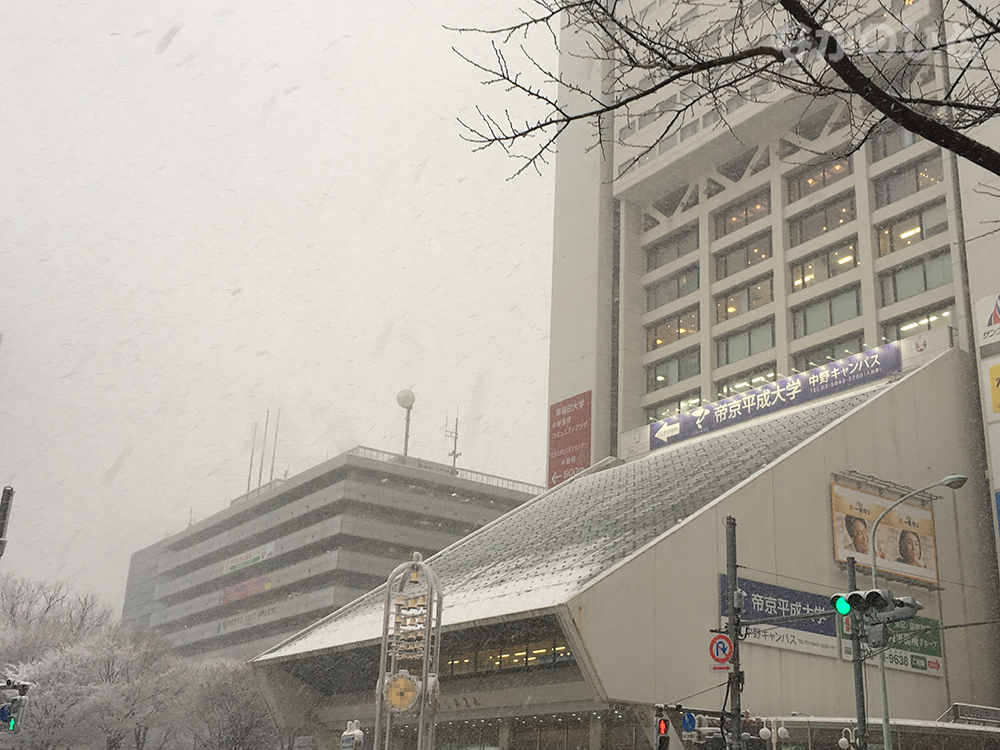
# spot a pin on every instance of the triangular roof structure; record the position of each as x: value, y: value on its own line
x: 556, y: 545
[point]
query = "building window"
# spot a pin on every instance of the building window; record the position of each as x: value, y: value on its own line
x: 910, y: 229
x: 746, y: 381
x: 908, y: 281
x: 672, y: 288
x: 668, y: 372
x: 911, y: 179
x: 827, y: 312
x: 745, y: 211
x: 674, y: 406
x: 890, y: 142
x: 815, y: 222
x: 743, y: 344
x: 672, y: 329
x: 671, y: 248
x: 824, y: 265
x: 917, y: 323
x: 743, y: 299
x: 826, y: 353
x: 815, y: 178
x: 743, y: 255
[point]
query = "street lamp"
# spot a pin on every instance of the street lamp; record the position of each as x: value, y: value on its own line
x: 405, y: 398
x: 952, y: 481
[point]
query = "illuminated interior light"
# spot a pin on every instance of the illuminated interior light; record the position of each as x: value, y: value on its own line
x: 659, y: 377
x: 945, y: 314
x: 659, y: 341
x: 923, y: 322
x: 932, y: 318
x: 910, y: 233
x: 741, y: 385
x: 731, y: 309
x: 798, y: 282
x: 681, y: 330
x: 908, y: 326
x: 848, y: 259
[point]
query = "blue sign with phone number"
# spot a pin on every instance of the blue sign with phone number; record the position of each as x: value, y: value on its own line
x: 800, y: 388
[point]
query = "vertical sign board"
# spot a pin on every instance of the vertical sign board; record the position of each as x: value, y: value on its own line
x: 987, y: 327
x: 915, y: 646
x: 764, y: 600
x: 569, y: 438
x: 905, y: 543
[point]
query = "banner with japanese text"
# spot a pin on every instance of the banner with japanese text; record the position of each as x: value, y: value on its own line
x: 770, y: 398
x: 905, y: 542
x: 765, y: 600
x: 569, y: 438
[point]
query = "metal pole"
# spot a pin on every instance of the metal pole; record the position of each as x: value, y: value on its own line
x: 263, y: 445
x: 954, y: 481
x: 253, y: 445
x: 859, y: 665
x: 406, y: 435
x: 735, y: 607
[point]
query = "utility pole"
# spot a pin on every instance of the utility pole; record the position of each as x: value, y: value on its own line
x: 857, y: 661
x: 733, y: 627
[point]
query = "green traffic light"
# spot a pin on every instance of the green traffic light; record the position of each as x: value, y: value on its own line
x: 842, y: 606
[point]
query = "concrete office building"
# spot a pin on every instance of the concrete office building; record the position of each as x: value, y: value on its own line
x: 691, y: 267
x: 245, y: 578
x: 567, y: 619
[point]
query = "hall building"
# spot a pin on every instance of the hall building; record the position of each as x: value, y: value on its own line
x: 283, y: 556
x: 566, y: 620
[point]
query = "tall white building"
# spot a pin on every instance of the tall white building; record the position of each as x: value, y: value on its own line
x: 691, y: 267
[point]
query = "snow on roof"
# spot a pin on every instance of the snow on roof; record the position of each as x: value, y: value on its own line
x: 546, y: 551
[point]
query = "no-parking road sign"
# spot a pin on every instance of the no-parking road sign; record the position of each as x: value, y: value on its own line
x: 720, y: 648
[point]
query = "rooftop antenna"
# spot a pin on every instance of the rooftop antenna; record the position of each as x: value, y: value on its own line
x: 453, y: 434
x: 263, y: 445
x: 274, y: 452
x: 405, y: 398
x: 253, y: 444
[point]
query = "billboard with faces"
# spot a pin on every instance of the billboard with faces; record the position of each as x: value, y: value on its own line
x: 904, y: 540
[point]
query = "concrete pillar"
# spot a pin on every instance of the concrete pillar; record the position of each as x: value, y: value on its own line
x: 506, y: 731
x: 596, y: 732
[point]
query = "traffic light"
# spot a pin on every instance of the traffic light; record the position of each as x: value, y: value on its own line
x: 660, y: 730
x: 662, y: 738
x: 18, y: 704
x: 871, y: 602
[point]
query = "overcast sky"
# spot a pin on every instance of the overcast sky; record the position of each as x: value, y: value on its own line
x: 211, y: 209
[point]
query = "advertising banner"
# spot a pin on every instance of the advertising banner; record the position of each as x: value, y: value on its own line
x: 257, y: 585
x: 248, y: 619
x: 255, y: 555
x: 569, y: 438
x: 916, y: 646
x: 905, y: 543
x: 763, y: 600
x: 770, y: 398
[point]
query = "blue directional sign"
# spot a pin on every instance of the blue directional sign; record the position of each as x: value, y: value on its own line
x: 769, y: 398
x: 688, y: 722
x: 5, y: 713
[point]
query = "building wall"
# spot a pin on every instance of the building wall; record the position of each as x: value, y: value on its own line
x: 580, y: 353
x: 646, y: 623
x: 648, y: 170
x: 311, y: 545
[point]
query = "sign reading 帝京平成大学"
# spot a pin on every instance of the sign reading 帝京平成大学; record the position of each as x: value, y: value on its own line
x: 769, y: 398
x: 765, y: 600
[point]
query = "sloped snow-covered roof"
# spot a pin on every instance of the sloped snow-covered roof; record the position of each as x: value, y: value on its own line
x: 546, y: 551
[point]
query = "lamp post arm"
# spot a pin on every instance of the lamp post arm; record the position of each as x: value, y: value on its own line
x: 878, y: 520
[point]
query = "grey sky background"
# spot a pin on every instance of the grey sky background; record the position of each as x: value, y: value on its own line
x: 211, y: 209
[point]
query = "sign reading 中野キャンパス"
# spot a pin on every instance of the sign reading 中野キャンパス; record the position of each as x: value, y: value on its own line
x: 769, y: 398
x: 569, y: 438
x: 905, y: 542
x: 765, y: 600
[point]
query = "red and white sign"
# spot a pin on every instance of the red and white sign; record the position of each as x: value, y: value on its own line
x: 720, y: 648
x: 569, y: 438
